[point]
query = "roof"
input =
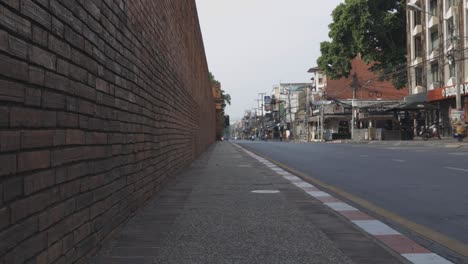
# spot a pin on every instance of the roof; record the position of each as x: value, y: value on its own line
x: 314, y: 69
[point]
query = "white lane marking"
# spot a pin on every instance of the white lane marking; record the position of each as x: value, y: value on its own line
x: 426, y: 258
x: 457, y: 169
x: 265, y: 191
x: 341, y: 207
x: 363, y: 156
x: 302, y: 184
x: 375, y: 227
x: 284, y: 173
x: 398, y: 160
x: 291, y: 177
x: 318, y: 194
x: 458, y: 153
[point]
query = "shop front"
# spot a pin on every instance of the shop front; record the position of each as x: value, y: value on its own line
x: 444, y: 100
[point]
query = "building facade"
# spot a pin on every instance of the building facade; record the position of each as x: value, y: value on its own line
x: 437, y: 51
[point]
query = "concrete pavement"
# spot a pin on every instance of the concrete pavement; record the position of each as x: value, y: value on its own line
x: 230, y: 208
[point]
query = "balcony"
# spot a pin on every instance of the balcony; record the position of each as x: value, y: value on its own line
x: 418, y: 89
x: 450, y: 12
x: 434, y: 55
x: 418, y: 60
x: 433, y: 23
x: 435, y: 85
x: 417, y: 30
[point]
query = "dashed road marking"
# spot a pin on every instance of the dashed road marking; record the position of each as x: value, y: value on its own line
x: 404, y: 246
x: 398, y: 160
x: 457, y: 169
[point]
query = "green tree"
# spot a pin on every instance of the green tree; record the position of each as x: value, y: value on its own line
x: 225, y: 96
x: 375, y: 29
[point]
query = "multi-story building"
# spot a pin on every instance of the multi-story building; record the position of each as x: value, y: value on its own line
x: 335, y: 103
x: 437, y: 51
x: 286, y: 104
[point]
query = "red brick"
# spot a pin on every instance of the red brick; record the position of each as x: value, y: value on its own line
x: 40, y: 36
x: 13, y: 68
x: 28, y: 117
x: 39, y: 181
x: 33, y: 96
x: 12, y: 188
x: 8, y: 162
x: 63, y: 156
x: 11, y: 92
x: 18, y: 47
x: 9, y: 140
x: 33, y: 160
x: 56, y: 213
x: 95, y: 138
x: 60, y: 47
x: 86, y: 107
x: 42, y: 57
x: 63, y: 67
x: 13, y: 3
x: 14, y: 22
x: 84, y: 91
x: 4, y: 217
x: 67, y: 120
x: 75, y: 137
x: 27, y: 249
x: 36, y: 75
x: 17, y: 233
x: 53, y: 100
x: 30, y: 205
x: 37, y: 138
x: 3, y: 40
x: 34, y: 11
x: 54, y: 251
x: 57, y: 82
x: 41, y: 258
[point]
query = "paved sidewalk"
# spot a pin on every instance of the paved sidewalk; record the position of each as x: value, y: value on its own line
x: 209, y: 214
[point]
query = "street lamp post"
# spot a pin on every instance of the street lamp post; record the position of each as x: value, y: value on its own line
x: 415, y: 8
x: 321, y: 115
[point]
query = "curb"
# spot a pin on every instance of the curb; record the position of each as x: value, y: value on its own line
x: 401, y: 244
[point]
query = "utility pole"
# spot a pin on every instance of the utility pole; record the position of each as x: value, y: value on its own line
x: 307, y: 113
x: 354, y: 85
x: 262, y: 117
x: 290, y: 113
x: 456, y: 46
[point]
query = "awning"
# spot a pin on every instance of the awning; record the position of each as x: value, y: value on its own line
x: 414, y: 106
x: 416, y: 98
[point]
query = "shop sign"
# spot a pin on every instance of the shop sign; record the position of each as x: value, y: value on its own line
x: 446, y: 92
x: 457, y: 115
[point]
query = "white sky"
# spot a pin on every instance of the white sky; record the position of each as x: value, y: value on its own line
x: 253, y: 44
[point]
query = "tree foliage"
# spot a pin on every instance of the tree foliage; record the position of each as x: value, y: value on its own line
x: 225, y: 96
x: 375, y: 29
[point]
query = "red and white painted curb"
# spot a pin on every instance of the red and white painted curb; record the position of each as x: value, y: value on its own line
x: 398, y: 242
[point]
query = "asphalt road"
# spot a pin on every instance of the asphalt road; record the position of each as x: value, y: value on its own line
x: 426, y: 185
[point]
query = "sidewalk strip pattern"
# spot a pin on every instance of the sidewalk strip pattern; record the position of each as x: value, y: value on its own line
x: 401, y: 244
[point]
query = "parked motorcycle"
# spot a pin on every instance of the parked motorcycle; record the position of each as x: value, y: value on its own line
x: 430, y: 132
x: 459, y: 131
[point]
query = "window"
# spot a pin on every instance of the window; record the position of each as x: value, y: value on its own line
x: 449, y: 3
x: 450, y: 28
x: 433, y: 8
x: 417, y: 18
x: 435, y: 40
x: 435, y: 72
x: 451, y: 70
x: 418, y: 50
x: 320, y: 81
x: 418, y: 76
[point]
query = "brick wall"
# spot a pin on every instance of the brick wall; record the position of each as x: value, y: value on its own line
x: 100, y: 102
